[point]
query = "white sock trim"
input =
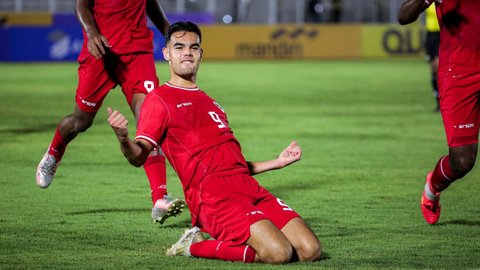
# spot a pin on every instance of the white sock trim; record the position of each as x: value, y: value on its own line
x: 441, y: 169
x: 218, y: 246
x: 430, y: 195
x: 245, y: 253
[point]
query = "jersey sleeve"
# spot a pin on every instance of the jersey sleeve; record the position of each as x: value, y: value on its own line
x: 153, y: 121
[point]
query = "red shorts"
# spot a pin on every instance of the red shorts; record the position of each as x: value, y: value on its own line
x: 135, y: 73
x: 230, y: 204
x: 460, y: 107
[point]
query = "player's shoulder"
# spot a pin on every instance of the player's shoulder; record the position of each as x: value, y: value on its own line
x: 159, y: 91
x: 161, y: 94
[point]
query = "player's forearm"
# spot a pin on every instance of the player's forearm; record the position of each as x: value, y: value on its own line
x: 157, y: 16
x: 133, y: 152
x: 84, y: 13
x: 411, y: 9
x: 263, y: 166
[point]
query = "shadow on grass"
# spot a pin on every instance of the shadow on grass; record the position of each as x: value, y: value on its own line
x: 177, y: 223
x: 29, y: 130
x: 105, y: 210
x: 461, y: 222
x: 325, y: 256
x: 172, y: 222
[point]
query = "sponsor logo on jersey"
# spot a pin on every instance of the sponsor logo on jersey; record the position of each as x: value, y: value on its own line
x: 463, y: 126
x: 255, y: 213
x: 89, y: 104
x: 184, y: 104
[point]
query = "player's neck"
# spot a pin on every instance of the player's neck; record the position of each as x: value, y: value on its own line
x: 183, y: 82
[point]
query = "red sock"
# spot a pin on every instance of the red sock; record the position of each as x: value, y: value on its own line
x: 157, y: 176
x: 58, y: 146
x: 442, y: 176
x: 214, y: 249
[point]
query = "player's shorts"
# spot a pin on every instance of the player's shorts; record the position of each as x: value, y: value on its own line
x: 135, y: 73
x: 432, y: 45
x: 230, y: 204
x: 460, y: 107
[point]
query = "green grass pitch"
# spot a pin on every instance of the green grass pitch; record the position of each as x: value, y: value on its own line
x: 369, y: 136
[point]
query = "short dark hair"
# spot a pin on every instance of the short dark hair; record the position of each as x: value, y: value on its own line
x: 183, y: 27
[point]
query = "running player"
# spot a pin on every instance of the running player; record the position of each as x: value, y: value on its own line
x: 247, y: 222
x: 459, y: 89
x: 117, y: 50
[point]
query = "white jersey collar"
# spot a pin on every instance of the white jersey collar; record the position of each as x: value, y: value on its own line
x: 182, y: 88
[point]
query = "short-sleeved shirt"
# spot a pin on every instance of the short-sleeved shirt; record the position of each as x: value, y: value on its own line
x: 192, y: 130
x: 124, y: 24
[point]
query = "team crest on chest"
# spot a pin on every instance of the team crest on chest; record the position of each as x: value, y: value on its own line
x: 218, y: 106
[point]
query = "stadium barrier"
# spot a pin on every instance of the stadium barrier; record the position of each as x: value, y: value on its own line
x: 59, y: 38
x: 312, y: 41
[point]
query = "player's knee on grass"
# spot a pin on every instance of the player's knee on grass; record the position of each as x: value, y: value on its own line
x: 276, y: 253
x: 309, y: 250
x: 269, y: 243
x: 306, y: 244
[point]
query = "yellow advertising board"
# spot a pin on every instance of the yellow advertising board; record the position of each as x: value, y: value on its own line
x: 389, y: 40
x: 281, y: 41
x: 311, y: 41
x: 26, y: 19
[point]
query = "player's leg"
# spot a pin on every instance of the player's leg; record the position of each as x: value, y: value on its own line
x: 247, y: 231
x: 289, y: 233
x: 193, y: 244
x: 266, y: 244
x: 460, y: 113
x: 269, y: 243
x: 68, y: 128
x: 456, y: 165
x: 138, y: 77
x: 93, y: 85
x: 66, y: 131
x: 241, y: 230
x: 305, y: 243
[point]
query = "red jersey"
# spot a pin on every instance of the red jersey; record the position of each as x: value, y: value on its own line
x: 459, y: 36
x: 192, y: 130
x: 124, y: 24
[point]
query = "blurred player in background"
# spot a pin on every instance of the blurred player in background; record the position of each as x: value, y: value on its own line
x: 117, y: 50
x: 459, y: 92
x: 432, y: 44
x: 247, y: 222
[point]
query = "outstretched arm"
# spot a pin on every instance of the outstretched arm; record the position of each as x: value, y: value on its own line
x: 157, y: 16
x: 96, y: 43
x: 289, y: 155
x: 137, y: 151
x: 411, y: 9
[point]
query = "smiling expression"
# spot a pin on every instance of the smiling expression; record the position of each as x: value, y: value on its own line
x: 183, y: 53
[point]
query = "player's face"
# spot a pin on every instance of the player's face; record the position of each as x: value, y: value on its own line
x: 183, y: 53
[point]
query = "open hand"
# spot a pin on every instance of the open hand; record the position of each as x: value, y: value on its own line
x: 97, y: 44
